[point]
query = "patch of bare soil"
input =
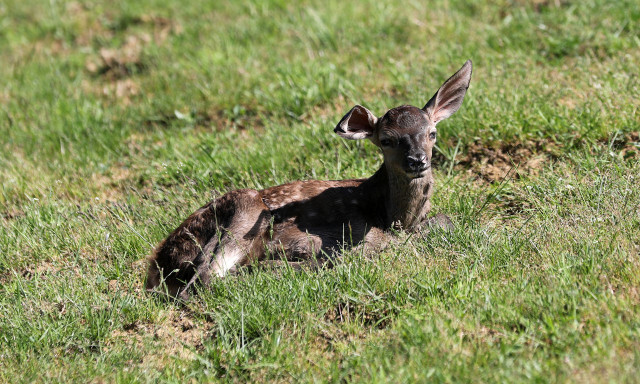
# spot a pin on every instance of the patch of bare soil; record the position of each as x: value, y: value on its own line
x: 123, y: 90
x: 112, y: 185
x: 491, y: 162
x: 205, y: 120
x: 121, y: 62
x: 177, y: 336
x: 43, y: 269
x: 40, y: 270
x: 494, y: 162
x: 346, y: 311
x: 5, y: 97
x: 627, y: 145
x: 126, y: 60
x: 540, y: 5
x: 11, y: 214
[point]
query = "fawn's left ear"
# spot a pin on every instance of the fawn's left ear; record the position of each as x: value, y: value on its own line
x: 358, y: 123
x: 450, y: 95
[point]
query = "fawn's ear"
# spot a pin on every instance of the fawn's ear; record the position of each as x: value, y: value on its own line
x: 358, y: 123
x: 450, y: 95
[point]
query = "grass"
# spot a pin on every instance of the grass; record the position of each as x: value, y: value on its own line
x: 118, y: 119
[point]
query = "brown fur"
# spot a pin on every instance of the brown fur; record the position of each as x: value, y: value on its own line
x: 310, y: 221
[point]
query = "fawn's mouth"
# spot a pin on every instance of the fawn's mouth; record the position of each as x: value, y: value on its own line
x: 418, y: 174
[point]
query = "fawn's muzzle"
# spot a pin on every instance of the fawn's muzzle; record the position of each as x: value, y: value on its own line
x: 418, y: 163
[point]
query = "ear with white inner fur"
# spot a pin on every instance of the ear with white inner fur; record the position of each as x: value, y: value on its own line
x: 450, y: 95
x: 358, y: 123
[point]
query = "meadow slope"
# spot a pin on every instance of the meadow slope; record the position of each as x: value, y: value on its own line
x: 120, y: 118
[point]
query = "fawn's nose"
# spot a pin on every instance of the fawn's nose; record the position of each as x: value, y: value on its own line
x: 418, y: 162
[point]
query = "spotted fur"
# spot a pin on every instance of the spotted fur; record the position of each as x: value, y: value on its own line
x: 312, y: 221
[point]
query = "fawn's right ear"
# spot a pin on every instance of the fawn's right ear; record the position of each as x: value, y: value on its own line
x: 358, y: 123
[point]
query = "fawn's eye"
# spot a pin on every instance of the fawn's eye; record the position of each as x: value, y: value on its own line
x: 385, y: 142
x: 432, y: 136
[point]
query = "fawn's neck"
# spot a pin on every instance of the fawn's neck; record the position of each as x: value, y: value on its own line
x: 406, y: 200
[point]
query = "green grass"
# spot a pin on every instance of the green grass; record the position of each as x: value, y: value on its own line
x: 118, y: 119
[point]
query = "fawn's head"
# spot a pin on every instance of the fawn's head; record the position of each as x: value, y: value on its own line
x: 407, y: 134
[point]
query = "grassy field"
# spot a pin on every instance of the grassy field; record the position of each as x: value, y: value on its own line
x: 119, y: 118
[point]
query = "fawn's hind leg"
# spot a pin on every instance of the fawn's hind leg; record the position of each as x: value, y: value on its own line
x: 243, y: 238
x: 216, y: 237
x: 237, y: 241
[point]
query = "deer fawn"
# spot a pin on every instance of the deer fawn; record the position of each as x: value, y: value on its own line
x: 306, y: 220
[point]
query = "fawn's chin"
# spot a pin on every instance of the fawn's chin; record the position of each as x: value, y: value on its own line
x: 417, y: 175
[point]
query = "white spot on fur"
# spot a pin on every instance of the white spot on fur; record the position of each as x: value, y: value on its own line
x: 225, y: 260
